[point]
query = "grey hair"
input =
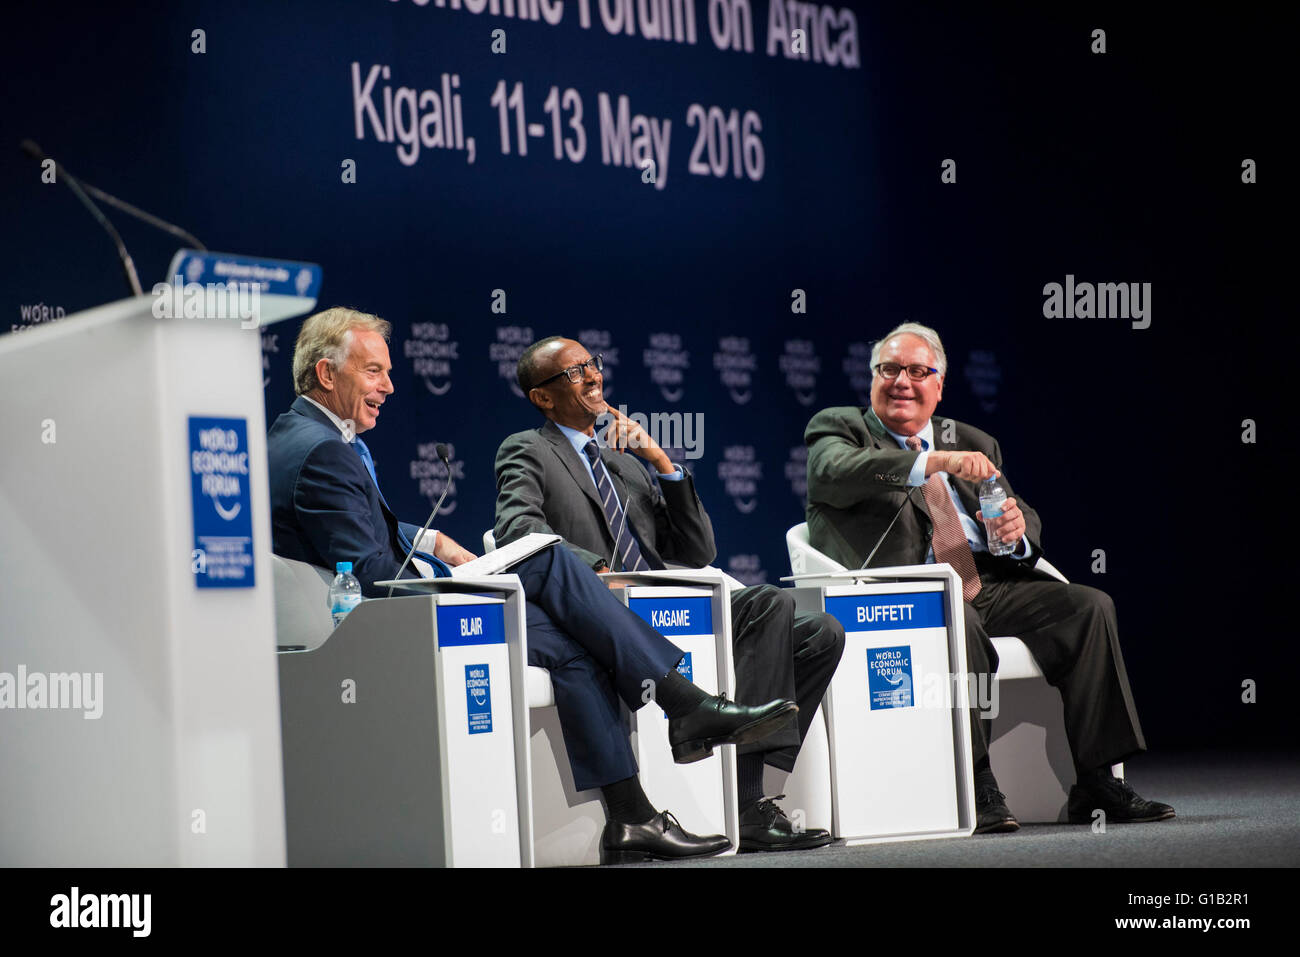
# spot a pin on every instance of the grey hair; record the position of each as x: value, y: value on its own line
x: 925, y: 333
x: 328, y: 335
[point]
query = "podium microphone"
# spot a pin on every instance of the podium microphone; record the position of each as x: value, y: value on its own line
x: 34, y: 151
x: 907, y: 498
x: 441, y: 449
x: 133, y: 280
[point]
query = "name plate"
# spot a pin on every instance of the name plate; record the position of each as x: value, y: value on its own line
x: 676, y: 616
x: 460, y: 625
x: 888, y: 612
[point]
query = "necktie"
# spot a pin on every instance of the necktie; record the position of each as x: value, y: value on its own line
x: 439, y: 566
x: 949, y: 541
x: 627, y: 554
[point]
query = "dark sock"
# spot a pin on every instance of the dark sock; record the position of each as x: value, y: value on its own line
x: 626, y: 803
x: 984, y: 774
x: 749, y: 779
x: 676, y: 695
x: 1095, y: 776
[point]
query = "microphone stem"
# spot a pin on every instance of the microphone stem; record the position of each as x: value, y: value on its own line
x: 128, y: 265
x: 446, y: 460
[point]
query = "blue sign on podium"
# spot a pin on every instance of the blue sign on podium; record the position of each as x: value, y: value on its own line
x: 222, y: 506
x: 478, y: 698
x: 889, y: 677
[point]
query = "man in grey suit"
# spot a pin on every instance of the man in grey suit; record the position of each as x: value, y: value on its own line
x: 863, y: 467
x: 615, y: 516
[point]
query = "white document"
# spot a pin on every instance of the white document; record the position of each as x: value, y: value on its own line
x: 496, y: 562
x: 733, y: 584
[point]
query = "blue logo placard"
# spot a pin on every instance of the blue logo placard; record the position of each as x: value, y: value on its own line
x: 471, y: 625
x: 222, y: 505
x: 685, y: 670
x: 478, y: 698
x: 889, y: 677
x: 676, y: 616
x: 684, y: 667
x: 888, y: 612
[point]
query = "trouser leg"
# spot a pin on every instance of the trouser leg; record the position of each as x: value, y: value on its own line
x: 595, y: 738
x: 762, y: 651
x: 580, y: 604
x: 981, y: 665
x: 818, y: 645
x: 1072, y: 633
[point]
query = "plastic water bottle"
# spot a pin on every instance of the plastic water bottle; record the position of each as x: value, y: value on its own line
x: 345, y: 592
x: 992, y: 495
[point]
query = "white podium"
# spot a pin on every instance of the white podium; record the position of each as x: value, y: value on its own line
x: 692, y: 609
x: 405, y: 732
x: 567, y: 823
x: 896, y: 708
x: 134, y: 519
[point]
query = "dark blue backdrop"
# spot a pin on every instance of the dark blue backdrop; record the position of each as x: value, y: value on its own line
x: 1117, y: 167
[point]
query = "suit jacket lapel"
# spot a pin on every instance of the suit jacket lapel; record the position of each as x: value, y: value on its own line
x: 305, y: 408
x: 881, y: 439
x: 576, y: 467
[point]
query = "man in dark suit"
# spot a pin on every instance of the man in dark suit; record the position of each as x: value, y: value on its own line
x: 863, y: 464
x: 614, y: 515
x: 326, y: 507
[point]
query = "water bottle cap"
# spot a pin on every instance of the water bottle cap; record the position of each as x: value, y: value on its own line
x: 342, y: 567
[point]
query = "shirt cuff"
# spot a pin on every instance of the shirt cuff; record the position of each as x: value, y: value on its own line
x: 672, y: 476
x: 916, y: 477
x: 1029, y: 549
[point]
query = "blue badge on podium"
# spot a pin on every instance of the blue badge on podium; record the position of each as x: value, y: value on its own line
x: 478, y: 698
x: 219, y: 495
x: 889, y: 677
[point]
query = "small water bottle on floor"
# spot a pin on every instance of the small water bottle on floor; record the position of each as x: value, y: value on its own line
x: 992, y: 495
x: 345, y: 592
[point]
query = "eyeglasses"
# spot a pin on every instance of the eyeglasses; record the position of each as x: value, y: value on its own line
x: 916, y: 372
x: 576, y: 373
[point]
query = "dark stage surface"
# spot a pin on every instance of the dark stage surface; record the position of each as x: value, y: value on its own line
x: 1234, y: 810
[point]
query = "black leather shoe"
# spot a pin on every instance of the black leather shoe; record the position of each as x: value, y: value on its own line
x: 659, y: 839
x: 992, y: 816
x: 764, y: 827
x: 1114, y: 796
x: 720, y: 721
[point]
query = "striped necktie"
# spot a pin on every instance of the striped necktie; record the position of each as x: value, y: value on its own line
x: 626, y: 552
x: 949, y: 542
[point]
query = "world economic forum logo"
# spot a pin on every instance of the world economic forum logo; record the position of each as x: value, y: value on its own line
x: 511, y: 341
x: 432, y: 350
x: 667, y: 363
x: 432, y: 475
x: 800, y: 365
x: 740, y: 472
x: 736, y: 364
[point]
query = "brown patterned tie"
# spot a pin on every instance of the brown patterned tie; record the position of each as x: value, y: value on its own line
x: 949, y: 541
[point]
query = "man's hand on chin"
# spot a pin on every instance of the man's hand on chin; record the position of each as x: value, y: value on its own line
x: 625, y: 434
x: 450, y: 551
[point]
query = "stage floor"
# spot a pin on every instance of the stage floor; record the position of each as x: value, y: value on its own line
x: 1233, y: 811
